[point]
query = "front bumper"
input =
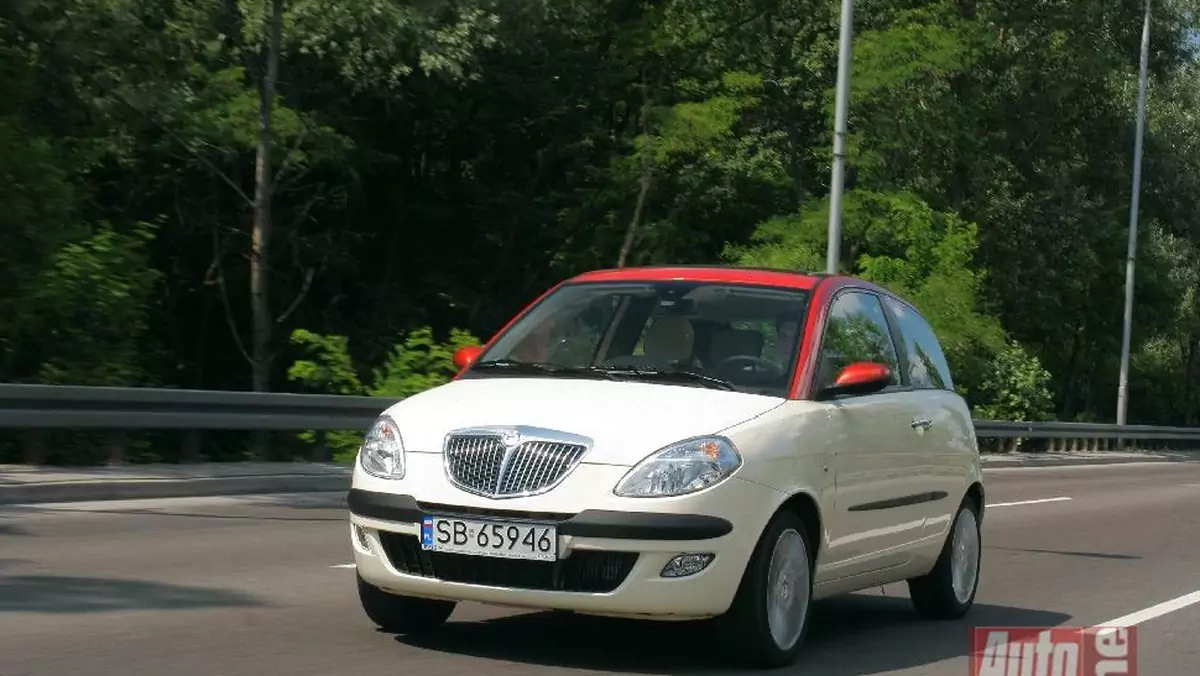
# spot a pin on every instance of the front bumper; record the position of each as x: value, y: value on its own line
x: 609, y: 563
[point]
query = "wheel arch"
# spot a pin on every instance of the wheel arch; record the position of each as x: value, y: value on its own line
x: 804, y: 505
x: 976, y: 493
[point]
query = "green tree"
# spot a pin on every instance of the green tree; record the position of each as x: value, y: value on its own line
x: 899, y: 242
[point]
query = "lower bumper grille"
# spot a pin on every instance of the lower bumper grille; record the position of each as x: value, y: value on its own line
x: 583, y: 571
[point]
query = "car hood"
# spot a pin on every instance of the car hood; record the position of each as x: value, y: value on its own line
x: 626, y: 420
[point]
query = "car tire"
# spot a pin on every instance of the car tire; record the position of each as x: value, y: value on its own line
x: 402, y: 614
x: 757, y: 641
x: 943, y: 593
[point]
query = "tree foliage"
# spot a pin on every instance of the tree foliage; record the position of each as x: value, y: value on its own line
x: 439, y: 164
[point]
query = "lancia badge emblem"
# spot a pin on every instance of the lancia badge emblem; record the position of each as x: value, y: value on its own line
x: 510, y: 438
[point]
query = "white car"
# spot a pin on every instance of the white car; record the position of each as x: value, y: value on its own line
x: 677, y: 443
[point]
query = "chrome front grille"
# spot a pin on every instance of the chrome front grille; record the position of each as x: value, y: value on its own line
x: 512, y: 461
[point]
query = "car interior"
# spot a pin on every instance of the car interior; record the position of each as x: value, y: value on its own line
x: 700, y: 332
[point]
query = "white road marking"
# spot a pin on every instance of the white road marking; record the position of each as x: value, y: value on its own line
x: 1130, y: 620
x: 1027, y: 502
x: 344, y: 565
x: 1133, y: 619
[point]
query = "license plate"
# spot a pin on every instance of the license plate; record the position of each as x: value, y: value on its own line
x: 500, y: 539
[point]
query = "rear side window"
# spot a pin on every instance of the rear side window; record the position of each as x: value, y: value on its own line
x: 927, y: 367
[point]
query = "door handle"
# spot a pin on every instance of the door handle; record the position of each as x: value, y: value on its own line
x: 920, y: 424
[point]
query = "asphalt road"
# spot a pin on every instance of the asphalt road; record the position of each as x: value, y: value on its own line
x: 232, y: 586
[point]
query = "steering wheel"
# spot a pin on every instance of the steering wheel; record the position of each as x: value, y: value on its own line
x: 760, y: 365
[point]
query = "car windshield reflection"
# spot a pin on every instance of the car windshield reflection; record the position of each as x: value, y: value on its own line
x: 719, y: 336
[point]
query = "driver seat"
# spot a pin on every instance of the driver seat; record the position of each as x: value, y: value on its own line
x: 735, y: 343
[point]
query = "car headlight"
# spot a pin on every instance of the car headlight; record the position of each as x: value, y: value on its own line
x: 681, y: 468
x: 382, y: 450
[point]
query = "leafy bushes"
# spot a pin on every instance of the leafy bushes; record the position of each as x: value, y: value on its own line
x: 417, y: 362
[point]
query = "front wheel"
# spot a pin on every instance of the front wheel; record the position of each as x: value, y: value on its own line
x: 948, y: 591
x: 770, y: 614
x: 402, y: 614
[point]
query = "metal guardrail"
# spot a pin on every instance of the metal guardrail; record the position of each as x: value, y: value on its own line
x: 1006, y: 436
x: 133, y: 408
x: 37, y: 408
x: 1003, y: 429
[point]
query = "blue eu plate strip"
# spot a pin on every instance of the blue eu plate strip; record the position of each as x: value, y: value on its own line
x: 427, y: 530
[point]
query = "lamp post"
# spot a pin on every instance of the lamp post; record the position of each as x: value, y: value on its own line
x: 1131, y: 256
x: 846, y: 35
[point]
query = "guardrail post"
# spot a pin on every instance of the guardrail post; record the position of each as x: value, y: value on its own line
x: 320, y: 450
x: 35, y: 447
x: 260, y: 445
x: 117, y: 440
x: 191, y: 446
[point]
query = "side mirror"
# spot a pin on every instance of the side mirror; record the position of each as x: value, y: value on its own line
x: 465, y: 356
x: 859, y: 378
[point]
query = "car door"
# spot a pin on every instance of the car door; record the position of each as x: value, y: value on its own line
x: 879, y: 512
x: 944, y: 439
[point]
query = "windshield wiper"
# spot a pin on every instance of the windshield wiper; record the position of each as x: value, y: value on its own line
x: 678, y: 376
x: 540, y: 367
x: 608, y: 373
x: 513, y: 364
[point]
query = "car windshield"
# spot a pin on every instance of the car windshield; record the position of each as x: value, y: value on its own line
x: 721, y: 336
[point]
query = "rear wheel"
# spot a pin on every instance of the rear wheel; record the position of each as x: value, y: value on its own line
x: 948, y: 591
x: 770, y: 614
x: 402, y: 614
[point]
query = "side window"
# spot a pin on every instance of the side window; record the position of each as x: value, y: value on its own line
x: 856, y: 330
x: 927, y: 367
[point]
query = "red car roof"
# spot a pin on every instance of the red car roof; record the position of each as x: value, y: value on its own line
x: 704, y: 273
